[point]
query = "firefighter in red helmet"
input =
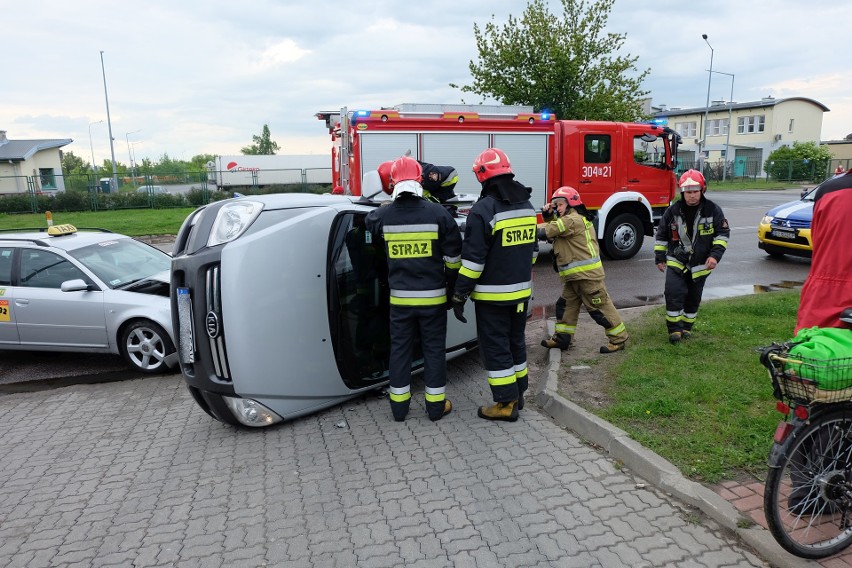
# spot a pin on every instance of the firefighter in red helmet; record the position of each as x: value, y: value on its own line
x: 499, y: 250
x: 438, y: 182
x: 423, y: 246
x: 691, y: 238
x: 577, y: 260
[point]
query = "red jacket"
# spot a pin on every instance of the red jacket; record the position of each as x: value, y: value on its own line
x: 828, y: 288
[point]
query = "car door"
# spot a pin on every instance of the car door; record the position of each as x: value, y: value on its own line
x: 8, y: 328
x: 46, y: 316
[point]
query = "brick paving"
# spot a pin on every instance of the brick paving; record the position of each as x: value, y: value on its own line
x: 134, y: 474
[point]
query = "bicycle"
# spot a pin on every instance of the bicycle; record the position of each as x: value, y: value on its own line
x: 808, y: 491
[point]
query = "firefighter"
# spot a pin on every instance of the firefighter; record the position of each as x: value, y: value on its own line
x: 578, y: 262
x: 438, y: 182
x: 499, y: 250
x: 690, y: 241
x: 423, y: 245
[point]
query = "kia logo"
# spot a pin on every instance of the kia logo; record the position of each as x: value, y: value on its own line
x: 212, y: 325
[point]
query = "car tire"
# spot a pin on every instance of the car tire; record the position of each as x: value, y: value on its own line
x: 145, y: 345
x: 623, y: 236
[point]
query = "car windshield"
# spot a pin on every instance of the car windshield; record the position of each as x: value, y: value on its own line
x: 122, y: 261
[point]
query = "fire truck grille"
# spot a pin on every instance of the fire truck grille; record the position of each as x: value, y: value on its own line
x: 214, y: 323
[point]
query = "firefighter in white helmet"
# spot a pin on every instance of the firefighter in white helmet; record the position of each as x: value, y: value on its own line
x: 690, y: 241
x: 497, y: 257
x: 578, y: 262
x: 423, y: 246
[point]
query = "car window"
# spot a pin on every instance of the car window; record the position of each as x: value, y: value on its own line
x: 44, y: 269
x: 121, y: 261
x: 5, y: 266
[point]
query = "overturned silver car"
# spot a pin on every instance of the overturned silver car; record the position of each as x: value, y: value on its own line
x: 280, y: 306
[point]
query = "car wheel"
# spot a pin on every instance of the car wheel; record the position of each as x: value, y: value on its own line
x: 145, y: 345
x: 623, y: 236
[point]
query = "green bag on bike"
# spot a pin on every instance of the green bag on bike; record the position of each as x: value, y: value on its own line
x: 826, y: 356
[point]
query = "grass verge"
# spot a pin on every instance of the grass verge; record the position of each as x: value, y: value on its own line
x: 131, y: 222
x: 705, y: 404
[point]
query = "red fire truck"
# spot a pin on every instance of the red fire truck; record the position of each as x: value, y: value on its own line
x: 623, y: 171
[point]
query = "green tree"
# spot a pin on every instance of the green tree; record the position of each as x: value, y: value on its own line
x: 198, y: 163
x: 263, y: 144
x: 72, y: 164
x: 803, y: 161
x: 568, y: 66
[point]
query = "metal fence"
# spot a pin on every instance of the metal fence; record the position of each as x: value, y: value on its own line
x: 797, y: 171
x: 91, y: 192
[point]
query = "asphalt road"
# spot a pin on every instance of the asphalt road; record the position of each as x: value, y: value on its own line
x: 745, y: 269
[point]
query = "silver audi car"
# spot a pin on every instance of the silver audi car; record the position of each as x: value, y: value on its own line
x: 280, y: 306
x: 90, y: 291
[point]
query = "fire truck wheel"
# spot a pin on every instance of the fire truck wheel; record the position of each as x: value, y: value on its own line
x: 623, y: 236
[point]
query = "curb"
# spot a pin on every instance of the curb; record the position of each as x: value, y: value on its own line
x: 648, y: 465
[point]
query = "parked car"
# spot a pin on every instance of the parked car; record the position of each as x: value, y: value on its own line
x: 89, y: 291
x: 786, y: 228
x: 152, y: 189
x: 280, y: 306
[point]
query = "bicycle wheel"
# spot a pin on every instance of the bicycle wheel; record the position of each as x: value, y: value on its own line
x: 808, y: 494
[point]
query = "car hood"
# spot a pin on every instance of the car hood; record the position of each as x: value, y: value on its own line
x: 799, y: 210
x: 156, y: 285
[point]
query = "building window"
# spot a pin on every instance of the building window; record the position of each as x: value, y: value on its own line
x: 751, y: 124
x: 717, y: 127
x: 790, y: 128
x: 685, y: 129
x: 47, y: 179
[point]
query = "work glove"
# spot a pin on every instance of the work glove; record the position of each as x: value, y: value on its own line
x: 458, y: 307
x: 541, y: 233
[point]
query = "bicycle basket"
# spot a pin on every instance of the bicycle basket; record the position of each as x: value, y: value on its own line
x: 803, y: 379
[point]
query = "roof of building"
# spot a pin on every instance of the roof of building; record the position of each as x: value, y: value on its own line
x: 20, y: 150
x: 716, y: 106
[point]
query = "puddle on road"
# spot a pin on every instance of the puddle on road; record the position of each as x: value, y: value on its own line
x: 747, y: 289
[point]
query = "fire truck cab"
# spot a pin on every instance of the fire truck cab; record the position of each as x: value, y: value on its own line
x: 623, y: 171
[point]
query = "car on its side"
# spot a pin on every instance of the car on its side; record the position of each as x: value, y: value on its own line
x: 87, y: 291
x: 281, y: 306
x: 786, y: 228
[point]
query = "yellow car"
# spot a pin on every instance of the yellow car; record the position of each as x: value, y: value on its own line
x: 786, y: 229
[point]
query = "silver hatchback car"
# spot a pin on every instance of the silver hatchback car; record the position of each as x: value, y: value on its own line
x: 90, y: 291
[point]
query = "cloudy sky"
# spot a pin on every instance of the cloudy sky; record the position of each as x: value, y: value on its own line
x: 189, y: 77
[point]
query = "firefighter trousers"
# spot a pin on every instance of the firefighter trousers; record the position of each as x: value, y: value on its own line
x: 592, y: 295
x: 683, y: 297
x: 406, y: 325
x: 503, y: 348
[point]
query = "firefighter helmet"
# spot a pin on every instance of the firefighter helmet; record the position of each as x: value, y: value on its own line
x: 492, y: 162
x: 384, y: 170
x: 568, y: 193
x: 690, y: 179
x: 406, y: 174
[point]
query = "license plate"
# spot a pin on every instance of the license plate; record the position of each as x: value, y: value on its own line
x: 186, y: 338
x: 789, y: 234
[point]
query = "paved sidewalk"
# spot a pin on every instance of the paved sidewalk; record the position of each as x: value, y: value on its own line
x: 135, y: 474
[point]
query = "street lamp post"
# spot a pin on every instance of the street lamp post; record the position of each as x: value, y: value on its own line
x: 92, y: 148
x: 703, y: 144
x: 730, y: 115
x: 130, y: 155
x: 109, y: 124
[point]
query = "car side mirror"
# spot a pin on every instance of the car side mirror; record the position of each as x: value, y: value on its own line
x: 76, y: 285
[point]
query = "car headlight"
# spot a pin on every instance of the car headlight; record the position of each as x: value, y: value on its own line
x: 232, y: 220
x: 250, y: 412
x: 767, y: 220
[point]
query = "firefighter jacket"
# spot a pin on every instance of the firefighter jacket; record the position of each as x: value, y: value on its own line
x: 500, y: 244
x: 686, y: 249
x: 575, y: 246
x: 438, y: 182
x: 423, y: 246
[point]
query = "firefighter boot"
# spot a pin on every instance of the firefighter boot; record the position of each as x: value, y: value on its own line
x: 560, y: 340
x: 448, y: 407
x: 685, y: 334
x: 612, y: 348
x: 675, y: 337
x: 507, y: 411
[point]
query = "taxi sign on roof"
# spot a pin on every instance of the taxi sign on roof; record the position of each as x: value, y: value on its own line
x: 59, y: 230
